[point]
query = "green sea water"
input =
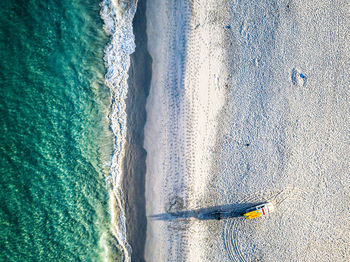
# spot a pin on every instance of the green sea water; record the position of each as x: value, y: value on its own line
x: 55, y: 142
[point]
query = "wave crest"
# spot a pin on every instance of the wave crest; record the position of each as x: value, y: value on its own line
x: 117, y: 17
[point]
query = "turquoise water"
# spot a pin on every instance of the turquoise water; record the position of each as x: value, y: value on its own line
x: 55, y: 143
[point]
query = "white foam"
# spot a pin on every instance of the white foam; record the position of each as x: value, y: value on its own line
x: 117, y: 17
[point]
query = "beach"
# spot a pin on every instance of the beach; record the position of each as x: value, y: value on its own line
x: 248, y: 103
x: 142, y: 130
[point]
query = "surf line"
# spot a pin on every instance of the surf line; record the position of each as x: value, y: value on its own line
x: 118, y: 16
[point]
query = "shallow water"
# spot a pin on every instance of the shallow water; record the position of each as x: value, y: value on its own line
x: 55, y: 142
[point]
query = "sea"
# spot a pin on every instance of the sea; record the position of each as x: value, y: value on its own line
x: 63, y: 73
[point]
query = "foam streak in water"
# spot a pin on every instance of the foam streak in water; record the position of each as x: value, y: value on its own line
x: 118, y: 16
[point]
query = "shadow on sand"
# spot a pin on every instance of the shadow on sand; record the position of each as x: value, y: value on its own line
x: 209, y: 213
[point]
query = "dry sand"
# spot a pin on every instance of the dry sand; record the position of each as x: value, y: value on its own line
x: 249, y: 102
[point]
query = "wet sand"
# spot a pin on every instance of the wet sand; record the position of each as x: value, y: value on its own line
x: 134, y: 163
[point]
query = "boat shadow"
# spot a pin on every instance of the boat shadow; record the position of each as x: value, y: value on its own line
x: 208, y: 213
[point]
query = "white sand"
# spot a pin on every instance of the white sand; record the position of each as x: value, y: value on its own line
x: 185, y: 98
x: 249, y: 102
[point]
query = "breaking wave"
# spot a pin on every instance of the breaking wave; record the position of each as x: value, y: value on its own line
x: 117, y: 16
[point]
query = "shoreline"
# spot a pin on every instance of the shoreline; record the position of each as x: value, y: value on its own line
x: 134, y: 165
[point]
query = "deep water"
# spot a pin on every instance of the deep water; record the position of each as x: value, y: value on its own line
x: 55, y: 142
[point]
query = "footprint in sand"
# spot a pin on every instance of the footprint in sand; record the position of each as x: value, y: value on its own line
x: 298, y: 77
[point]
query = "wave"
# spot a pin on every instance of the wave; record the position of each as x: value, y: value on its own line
x: 117, y: 16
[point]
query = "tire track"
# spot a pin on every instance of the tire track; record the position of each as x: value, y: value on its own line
x: 175, y: 160
x: 276, y: 196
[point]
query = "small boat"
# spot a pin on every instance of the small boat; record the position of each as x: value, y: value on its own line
x: 259, y: 210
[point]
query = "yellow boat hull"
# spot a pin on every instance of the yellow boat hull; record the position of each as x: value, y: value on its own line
x: 252, y: 214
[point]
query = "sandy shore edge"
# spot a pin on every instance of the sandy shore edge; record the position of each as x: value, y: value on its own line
x: 134, y: 168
